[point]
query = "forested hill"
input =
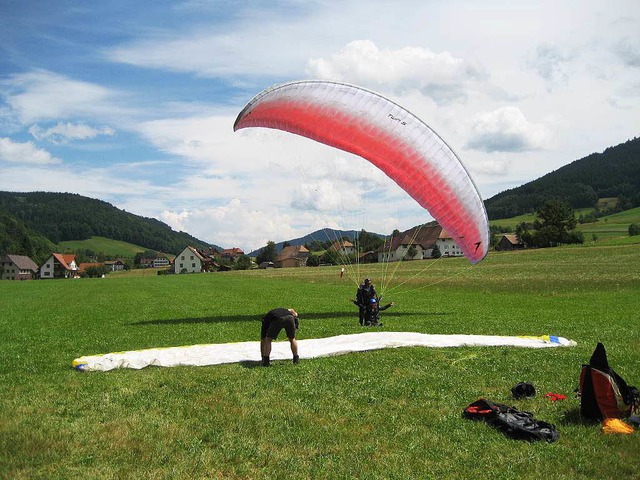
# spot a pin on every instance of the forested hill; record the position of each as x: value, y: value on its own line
x: 612, y: 173
x: 68, y: 216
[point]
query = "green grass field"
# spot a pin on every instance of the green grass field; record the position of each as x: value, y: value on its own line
x: 112, y: 248
x: 392, y: 413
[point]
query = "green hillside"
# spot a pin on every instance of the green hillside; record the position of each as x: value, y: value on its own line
x: 608, y: 228
x: 17, y: 239
x: 612, y: 173
x: 611, y: 226
x: 110, y: 248
x: 61, y: 217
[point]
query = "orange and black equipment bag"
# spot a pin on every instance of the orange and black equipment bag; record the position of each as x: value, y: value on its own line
x: 603, y: 393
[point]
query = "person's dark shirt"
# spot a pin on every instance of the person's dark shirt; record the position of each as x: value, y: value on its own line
x: 276, y: 313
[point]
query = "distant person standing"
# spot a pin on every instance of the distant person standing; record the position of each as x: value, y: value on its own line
x: 342, y: 272
x: 272, y: 323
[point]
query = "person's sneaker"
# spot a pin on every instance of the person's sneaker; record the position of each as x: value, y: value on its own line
x: 296, y: 359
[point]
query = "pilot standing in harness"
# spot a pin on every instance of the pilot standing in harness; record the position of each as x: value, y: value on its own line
x: 368, y: 304
x: 365, y: 293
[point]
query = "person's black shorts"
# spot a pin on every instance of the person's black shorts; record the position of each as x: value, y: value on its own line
x: 273, y: 328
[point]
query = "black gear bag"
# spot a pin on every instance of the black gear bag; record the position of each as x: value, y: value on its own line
x: 510, y: 421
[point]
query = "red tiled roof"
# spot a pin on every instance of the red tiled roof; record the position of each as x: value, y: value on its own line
x: 64, y: 259
x: 83, y: 266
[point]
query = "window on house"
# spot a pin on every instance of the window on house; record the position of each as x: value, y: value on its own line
x: 193, y: 265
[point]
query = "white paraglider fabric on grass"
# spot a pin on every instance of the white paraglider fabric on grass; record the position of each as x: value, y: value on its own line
x: 215, y: 354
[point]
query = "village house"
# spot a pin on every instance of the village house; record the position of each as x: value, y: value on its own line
x: 368, y: 257
x: 447, y: 245
x: 292, y: 256
x: 17, y: 267
x: 231, y: 254
x: 114, y: 265
x: 156, y: 262
x: 161, y: 262
x: 59, y: 265
x: 343, y: 247
x: 422, y: 239
x: 82, y: 267
x: 190, y: 260
x: 509, y: 242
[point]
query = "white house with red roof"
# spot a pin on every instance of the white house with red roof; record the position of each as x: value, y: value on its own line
x: 59, y: 265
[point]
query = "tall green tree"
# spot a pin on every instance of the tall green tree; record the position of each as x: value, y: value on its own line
x: 268, y: 253
x: 242, y: 263
x: 367, y: 242
x: 556, y: 225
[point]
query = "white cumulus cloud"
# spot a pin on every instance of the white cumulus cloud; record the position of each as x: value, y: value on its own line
x: 440, y: 76
x: 25, y: 153
x: 42, y: 95
x: 507, y: 130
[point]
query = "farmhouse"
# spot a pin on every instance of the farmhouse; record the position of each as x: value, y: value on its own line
x: 114, y: 265
x: 292, y: 256
x: 17, y: 267
x: 156, y: 262
x: 190, y: 260
x: 344, y: 247
x: 231, y: 254
x: 447, y: 245
x: 368, y: 257
x: 59, y: 265
x: 509, y: 242
x: 420, y: 239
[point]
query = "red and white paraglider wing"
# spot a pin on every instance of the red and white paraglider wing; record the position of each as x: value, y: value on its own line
x: 396, y: 141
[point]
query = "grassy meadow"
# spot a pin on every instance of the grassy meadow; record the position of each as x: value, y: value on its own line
x: 392, y: 413
x: 113, y: 248
x: 609, y: 227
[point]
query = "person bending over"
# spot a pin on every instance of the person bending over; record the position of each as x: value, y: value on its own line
x: 272, y: 323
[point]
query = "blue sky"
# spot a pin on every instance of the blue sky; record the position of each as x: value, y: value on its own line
x: 134, y: 103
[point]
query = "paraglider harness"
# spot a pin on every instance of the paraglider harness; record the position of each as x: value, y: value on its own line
x: 372, y: 310
x: 512, y: 422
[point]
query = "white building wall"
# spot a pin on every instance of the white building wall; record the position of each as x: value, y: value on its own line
x: 187, y: 262
x: 449, y: 248
x: 46, y: 270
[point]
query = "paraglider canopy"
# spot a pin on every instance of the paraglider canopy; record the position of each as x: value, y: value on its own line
x: 373, y: 127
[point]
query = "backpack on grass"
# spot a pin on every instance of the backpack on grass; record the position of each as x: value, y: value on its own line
x: 604, y: 393
x: 510, y: 421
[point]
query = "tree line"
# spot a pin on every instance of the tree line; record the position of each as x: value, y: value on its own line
x: 64, y: 216
x: 612, y: 173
